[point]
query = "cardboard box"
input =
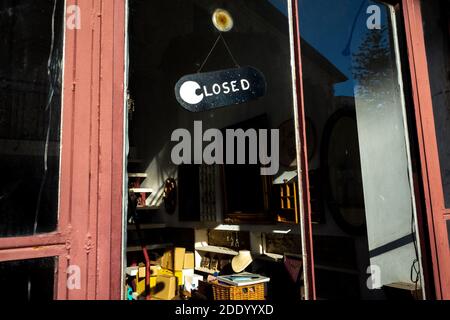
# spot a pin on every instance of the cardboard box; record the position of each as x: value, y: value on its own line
x: 132, y: 271
x: 165, y: 272
x: 179, y: 276
x: 153, y: 283
x: 178, y: 259
x: 167, y: 260
x: 140, y: 286
x: 173, y: 259
x: 189, y: 260
x: 166, y: 287
x: 142, y: 272
x: 154, y: 270
x: 140, y: 279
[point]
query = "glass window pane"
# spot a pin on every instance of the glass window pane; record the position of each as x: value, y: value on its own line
x: 353, y: 96
x: 436, y: 21
x: 27, y: 280
x: 174, y: 39
x: 180, y: 40
x: 31, y: 45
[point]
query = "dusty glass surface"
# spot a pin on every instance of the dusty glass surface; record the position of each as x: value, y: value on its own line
x: 30, y: 114
x: 351, y: 65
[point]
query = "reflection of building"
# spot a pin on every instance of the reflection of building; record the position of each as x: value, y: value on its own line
x: 81, y: 220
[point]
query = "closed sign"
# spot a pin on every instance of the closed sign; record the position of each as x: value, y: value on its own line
x: 206, y: 91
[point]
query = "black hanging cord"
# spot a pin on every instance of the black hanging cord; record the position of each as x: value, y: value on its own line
x: 220, y: 37
x: 415, y: 267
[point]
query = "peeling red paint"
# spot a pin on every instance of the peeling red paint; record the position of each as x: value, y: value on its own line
x: 431, y: 177
x: 92, y: 156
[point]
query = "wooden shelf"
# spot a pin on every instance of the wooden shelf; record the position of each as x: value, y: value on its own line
x: 218, y: 250
x: 280, y: 227
x: 138, y: 175
x: 141, y: 190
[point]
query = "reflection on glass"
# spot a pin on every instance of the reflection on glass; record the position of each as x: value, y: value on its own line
x: 436, y: 15
x: 30, y: 114
x: 174, y: 38
x: 342, y: 160
x: 350, y: 61
x: 179, y: 40
x: 27, y: 280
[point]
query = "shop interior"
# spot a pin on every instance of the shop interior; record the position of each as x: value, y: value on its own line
x: 191, y: 225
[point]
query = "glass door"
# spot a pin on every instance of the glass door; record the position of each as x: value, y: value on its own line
x: 61, y: 173
x: 214, y: 117
x: 358, y: 143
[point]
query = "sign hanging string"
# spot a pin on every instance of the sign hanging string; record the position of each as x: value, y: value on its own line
x: 220, y: 37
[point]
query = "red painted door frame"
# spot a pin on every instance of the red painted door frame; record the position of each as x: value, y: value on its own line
x: 89, y: 234
x: 437, y: 214
x: 302, y: 152
x: 92, y: 149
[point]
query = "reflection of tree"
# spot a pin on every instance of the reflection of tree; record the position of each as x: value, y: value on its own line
x: 372, y: 68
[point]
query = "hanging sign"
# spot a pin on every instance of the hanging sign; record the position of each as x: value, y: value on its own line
x: 207, y: 91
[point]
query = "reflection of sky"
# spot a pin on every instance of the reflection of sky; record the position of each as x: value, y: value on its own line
x: 281, y: 5
x: 329, y: 25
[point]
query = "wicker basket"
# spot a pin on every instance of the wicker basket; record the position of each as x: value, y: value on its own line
x: 226, y: 292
